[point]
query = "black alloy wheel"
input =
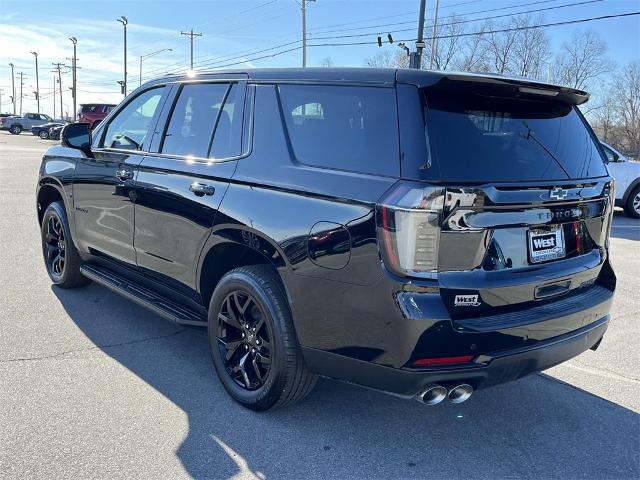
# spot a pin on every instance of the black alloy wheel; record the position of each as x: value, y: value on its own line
x: 252, y: 340
x: 55, y: 246
x: 244, y: 340
x: 60, y: 255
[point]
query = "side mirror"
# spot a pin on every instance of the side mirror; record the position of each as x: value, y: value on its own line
x: 77, y: 136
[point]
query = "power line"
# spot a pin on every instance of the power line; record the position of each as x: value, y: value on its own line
x: 462, y: 21
x: 213, y: 61
x: 530, y: 27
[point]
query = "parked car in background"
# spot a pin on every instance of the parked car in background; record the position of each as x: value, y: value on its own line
x: 17, y: 124
x: 627, y: 176
x: 42, y: 131
x: 422, y: 233
x: 93, y: 113
x: 54, y: 132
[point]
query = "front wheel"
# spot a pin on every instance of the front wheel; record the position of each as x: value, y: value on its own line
x: 633, y: 203
x: 60, y: 255
x: 44, y: 135
x: 252, y: 341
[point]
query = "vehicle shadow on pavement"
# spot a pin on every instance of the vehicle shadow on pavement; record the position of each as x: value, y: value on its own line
x: 534, y: 428
x: 624, y: 226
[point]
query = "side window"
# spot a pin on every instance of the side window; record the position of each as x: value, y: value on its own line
x: 130, y: 128
x: 341, y: 127
x: 193, y: 119
x: 44, y: 117
x: 227, y: 141
x: 611, y: 156
x: 32, y: 116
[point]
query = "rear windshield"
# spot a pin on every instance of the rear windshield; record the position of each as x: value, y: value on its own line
x: 477, y: 138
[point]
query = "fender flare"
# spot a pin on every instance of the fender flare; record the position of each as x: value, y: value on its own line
x: 49, y: 181
x: 243, y: 236
x: 629, y: 189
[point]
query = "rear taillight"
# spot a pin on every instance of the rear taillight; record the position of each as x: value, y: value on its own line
x: 408, y: 223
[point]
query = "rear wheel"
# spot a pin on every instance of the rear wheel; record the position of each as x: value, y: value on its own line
x: 633, y: 203
x: 60, y: 255
x: 15, y: 129
x: 252, y: 341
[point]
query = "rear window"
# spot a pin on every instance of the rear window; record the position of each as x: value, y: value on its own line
x: 91, y: 108
x: 478, y: 138
x: 346, y: 128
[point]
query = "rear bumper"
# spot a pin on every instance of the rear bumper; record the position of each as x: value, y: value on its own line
x: 489, y: 369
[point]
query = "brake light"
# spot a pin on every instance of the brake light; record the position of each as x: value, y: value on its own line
x: 430, y: 362
x: 408, y: 223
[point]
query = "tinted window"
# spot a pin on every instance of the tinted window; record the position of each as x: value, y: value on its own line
x: 130, y: 128
x: 228, y: 137
x: 193, y: 119
x: 108, y: 108
x: 480, y: 138
x: 348, y: 128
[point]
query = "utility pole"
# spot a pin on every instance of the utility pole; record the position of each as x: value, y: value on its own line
x: 13, y: 88
x: 190, y: 34
x: 415, y: 58
x: 21, y: 85
x: 303, y: 7
x: 58, y: 67
x: 74, y: 40
x: 35, y: 54
x: 434, y: 42
x: 123, y: 20
x: 1, y: 100
x: 54, y: 97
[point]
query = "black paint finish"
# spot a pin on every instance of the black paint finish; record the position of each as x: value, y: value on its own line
x: 164, y: 225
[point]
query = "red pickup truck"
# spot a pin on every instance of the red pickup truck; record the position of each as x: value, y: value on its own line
x: 93, y: 113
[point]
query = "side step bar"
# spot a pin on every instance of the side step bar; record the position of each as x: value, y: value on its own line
x: 143, y: 296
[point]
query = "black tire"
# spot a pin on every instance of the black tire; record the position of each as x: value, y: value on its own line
x: 632, y: 207
x: 60, y: 255
x: 44, y: 135
x: 287, y: 380
x: 15, y: 129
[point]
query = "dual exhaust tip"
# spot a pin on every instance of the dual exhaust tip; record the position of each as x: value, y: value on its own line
x: 437, y: 393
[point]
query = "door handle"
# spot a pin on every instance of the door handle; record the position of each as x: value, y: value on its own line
x: 124, y: 174
x: 201, y: 189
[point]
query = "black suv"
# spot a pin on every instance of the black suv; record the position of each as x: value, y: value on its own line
x: 420, y: 233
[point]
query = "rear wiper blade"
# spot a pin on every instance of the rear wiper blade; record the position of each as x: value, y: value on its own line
x: 530, y: 136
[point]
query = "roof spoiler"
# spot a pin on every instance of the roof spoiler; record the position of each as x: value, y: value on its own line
x: 493, y: 82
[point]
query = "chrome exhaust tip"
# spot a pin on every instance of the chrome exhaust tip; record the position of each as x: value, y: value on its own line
x: 460, y: 393
x: 433, y: 395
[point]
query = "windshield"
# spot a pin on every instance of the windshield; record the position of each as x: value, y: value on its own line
x: 476, y: 138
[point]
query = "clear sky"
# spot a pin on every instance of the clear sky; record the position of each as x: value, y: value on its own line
x: 234, y: 31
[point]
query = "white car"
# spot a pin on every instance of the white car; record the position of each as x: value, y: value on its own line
x: 627, y: 176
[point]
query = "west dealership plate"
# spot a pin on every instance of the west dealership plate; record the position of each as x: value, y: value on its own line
x: 545, y: 245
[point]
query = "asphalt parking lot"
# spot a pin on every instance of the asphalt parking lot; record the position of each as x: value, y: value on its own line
x: 93, y: 386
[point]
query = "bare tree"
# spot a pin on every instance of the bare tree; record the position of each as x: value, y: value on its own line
x: 531, y: 50
x: 473, y: 53
x: 327, y: 62
x: 500, y: 45
x: 448, y: 44
x: 626, y: 92
x: 581, y: 60
x: 388, y: 59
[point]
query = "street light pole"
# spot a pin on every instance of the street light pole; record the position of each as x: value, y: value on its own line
x: 148, y: 55
x: 434, y: 42
x: 415, y: 59
x: 21, y: 84
x: 74, y: 77
x: 13, y: 88
x: 35, y: 54
x: 123, y: 20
